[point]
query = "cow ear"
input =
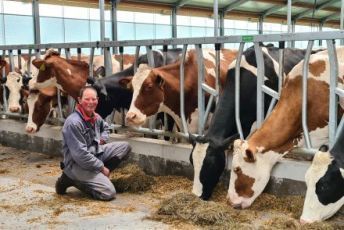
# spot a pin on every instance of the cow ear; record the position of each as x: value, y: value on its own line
x: 100, y: 71
x: 39, y: 64
x: 249, y: 156
x: 160, y: 81
x: 226, y: 142
x: 126, y: 83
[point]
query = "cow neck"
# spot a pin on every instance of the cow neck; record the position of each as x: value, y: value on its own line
x: 74, y: 80
x: 283, y: 129
x: 171, y: 86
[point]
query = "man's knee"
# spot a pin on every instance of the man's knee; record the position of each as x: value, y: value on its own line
x: 106, y: 195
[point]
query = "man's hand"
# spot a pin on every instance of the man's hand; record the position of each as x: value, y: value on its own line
x: 102, y: 142
x: 106, y: 171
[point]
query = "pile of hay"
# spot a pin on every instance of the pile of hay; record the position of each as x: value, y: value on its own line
x: 131, y: 178
x: 189, y: 208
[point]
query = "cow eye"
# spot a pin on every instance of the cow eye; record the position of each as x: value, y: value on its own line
x: 237, y: 169
x: 18, y: 80
x: 148, y: 88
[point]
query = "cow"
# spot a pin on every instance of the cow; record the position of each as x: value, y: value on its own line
x: 56, y: 72
x: 113, y: 91
x: 325, y: 183
x: 208, y: 156
x: 157, y: 89
x: 16, y: 83
x: 254, y: 158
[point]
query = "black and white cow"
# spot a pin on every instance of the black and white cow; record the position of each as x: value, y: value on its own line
x: 325, y: 183
x: 209, y: 153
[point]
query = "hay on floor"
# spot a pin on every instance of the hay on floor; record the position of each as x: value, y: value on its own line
x: 131, y: 178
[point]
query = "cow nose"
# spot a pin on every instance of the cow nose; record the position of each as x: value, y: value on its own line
x: 130, y: 116
x: 302, y: 221
x: 236, y: 206
x: 14, y: 109
x: 30, y: 129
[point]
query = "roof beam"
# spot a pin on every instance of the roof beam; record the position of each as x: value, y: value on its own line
x: 181, y: 3
x: 330, y: 17
x: 233, y: 5
x: 276, y: 8
x: 318, y: 7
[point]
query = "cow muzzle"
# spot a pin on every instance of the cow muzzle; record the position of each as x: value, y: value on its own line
x: 14, y: 109
x: 30, y: 129
x: 134, y: 119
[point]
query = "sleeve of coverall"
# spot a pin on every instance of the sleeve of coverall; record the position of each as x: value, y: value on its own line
x: 76, y: 143
x: 104, y: 130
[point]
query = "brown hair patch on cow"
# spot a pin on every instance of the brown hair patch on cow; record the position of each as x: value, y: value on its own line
x: 317, y: 68
x: 51, y: 52
x: 243, y: 184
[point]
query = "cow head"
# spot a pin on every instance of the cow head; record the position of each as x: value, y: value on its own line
x: 208, y: 158
x: 14, y: 84
x: 325, y: 188
x: 39, y: 105
x: 250, y: 173
x: 147, y: 96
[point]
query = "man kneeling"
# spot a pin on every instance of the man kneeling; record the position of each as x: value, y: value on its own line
x: 88, y: 160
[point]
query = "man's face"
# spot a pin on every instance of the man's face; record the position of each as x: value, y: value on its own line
x: 89, y: 101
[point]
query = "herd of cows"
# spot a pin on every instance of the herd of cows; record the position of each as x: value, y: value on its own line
x: 150, y: 91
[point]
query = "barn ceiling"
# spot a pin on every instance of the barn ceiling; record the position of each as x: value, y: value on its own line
x: 304, y: 11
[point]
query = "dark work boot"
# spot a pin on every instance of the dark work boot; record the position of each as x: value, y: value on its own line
x: 63, y: 183
x: 112, y: 163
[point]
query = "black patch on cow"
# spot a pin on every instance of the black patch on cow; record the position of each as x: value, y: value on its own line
x: 212, y: 168
x: 330, y: 188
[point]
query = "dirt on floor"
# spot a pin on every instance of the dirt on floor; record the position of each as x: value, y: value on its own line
x: 28, y: 199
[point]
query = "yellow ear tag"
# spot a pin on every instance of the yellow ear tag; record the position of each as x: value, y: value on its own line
x: 42, y: 68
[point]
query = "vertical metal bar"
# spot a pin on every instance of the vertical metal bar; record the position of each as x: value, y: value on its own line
x: 164, y: 57
x: 237, y: 90
x: 114, y: 24
x: 342, y: 20
x: 320, y: 30
x: 90, y: 61
x: 5, y: 107
x: 217, y: 69
x: 67, y: 51
x: 79, y: 53
x: 260, y: 25
x: 201, y: 95
x: 150, y: 58
x: 59, y: 104
x: 102, y: 19
x: 19, y: 59
x: 107, y: 60
x: 121, y: 52
x: 260, y: 83
x: 10, y: 57
x: 293, y: 23
x: 216, y: 18
x: 289, y: 4
x: 333, y: 106
x: 181, y: 89
x: 137, y: 53
x: 28, y: 64
x: 304, y: 94
x: 174, y: 24
x: 222, y: 24
x: 340, y: 128
x: 36, y: 25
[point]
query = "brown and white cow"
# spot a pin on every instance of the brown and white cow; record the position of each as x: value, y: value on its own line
x: 157, y: 89
x: 254, y: 158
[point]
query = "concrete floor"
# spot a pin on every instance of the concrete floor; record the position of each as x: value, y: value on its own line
x: 28, y: 199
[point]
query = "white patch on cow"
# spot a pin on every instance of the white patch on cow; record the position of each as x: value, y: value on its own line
x: 275, y: 63
x: 69, y: 71
x: 318, y: 137
x: 313, y: 209
x: 259, y: 170
x: 31, y: 100
x: 198, y: 156
x: 51, y: 82
x: 137, y: 81
x: 14, y: 83
x: 176, y: 117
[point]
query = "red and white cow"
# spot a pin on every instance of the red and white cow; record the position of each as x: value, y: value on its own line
x: 157, y: 89
x: 254, y: 158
